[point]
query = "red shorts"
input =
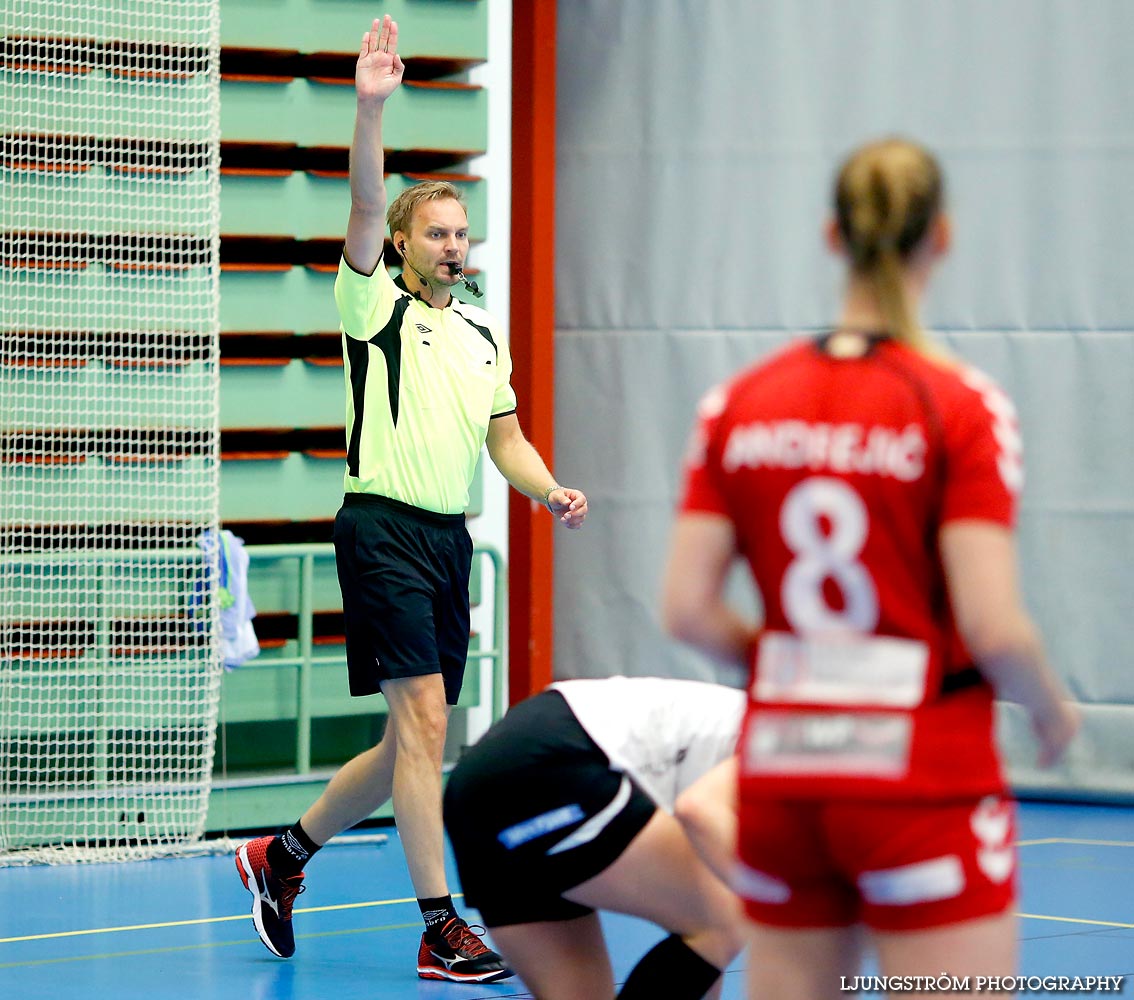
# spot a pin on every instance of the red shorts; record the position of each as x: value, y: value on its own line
x: 891, y: 866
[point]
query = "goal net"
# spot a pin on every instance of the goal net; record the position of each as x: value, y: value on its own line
x: 109, y: 475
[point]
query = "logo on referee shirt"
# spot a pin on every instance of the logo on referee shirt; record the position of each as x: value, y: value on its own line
x: 422, y: 328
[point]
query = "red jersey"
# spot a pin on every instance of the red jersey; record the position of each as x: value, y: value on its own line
x: 837, y: 475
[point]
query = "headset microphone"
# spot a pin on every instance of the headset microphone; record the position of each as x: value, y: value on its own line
x: 410, y: 264
x: 456, y: 269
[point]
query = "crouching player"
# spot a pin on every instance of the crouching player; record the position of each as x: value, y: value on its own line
x: 565, y: 808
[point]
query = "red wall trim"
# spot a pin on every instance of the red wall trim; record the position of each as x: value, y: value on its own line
x: 532, y: 330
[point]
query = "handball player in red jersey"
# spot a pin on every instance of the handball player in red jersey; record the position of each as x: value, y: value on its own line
x: 870, y: 482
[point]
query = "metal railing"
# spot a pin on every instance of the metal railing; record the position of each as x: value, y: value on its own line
x: 306, y: 659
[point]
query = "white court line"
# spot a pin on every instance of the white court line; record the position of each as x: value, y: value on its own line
x: 1074, y: 920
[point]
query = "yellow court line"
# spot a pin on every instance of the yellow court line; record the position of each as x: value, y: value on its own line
x: 1077, y: 841
x: 203, y: 920
x: 1075, y: 920
x: 113, y: 955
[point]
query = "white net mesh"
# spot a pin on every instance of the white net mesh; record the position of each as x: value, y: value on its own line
x: 109, y: 316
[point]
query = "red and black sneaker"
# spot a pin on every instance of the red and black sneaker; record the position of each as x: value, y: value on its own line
x: 460, y: 956
x: 272, y: 897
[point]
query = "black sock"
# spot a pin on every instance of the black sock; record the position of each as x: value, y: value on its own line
x: 290, y: 851
x: 670, y: 969
x: 436, y: 913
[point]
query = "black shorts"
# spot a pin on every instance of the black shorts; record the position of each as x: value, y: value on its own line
x: 404, y: 576
x: 533, y: 810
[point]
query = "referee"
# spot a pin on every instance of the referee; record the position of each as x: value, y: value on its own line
x: 428, y: 385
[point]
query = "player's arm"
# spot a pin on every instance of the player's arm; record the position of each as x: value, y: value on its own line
x: 702, y: 550
x: 980, y: 570
x: 377, y: 74
x: 520, y: 463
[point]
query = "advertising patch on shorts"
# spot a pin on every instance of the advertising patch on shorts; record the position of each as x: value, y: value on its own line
x: 548, y: 822
x: 920, y: 882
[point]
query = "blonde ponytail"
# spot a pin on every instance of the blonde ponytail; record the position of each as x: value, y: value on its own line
x: 887, y: 276
x: 886, y: 197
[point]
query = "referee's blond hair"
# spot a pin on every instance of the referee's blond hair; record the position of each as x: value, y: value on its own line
x: 399, y: 215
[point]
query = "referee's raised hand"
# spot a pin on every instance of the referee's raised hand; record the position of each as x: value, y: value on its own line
x: 379, y: 69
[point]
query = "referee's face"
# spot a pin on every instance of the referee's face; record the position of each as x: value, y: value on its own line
x: 440, y: 237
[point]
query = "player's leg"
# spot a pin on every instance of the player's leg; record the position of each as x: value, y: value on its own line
x: 388, y: 615
x: 986, y: 946
x: 560, y: 959
x: 417, y: 723
x: 272, y: 868
x: 376, y: 616
x: 357, y: 789
x: 449, y: 948
x: 802, y: 933
x: 660, y: 878
x: 804, y: 963
x: 514, y: 805
x: 420, y: 706
x: 389, y: 619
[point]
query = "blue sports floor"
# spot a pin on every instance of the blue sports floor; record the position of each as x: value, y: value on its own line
x: 173, y: 929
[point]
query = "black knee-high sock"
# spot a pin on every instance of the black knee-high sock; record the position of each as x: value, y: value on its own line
x: 670, y: 969
x: 290, y: 851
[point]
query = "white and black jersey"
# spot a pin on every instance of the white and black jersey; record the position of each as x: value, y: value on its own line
x: 556, y: 790
x: 663, y: 732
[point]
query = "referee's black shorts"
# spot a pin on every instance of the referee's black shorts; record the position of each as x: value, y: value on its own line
x: 534, y: 809
x: 404, y: 576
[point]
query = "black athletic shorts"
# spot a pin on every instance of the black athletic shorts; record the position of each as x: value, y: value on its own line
x: 404, y: 576
x: 533, y: 810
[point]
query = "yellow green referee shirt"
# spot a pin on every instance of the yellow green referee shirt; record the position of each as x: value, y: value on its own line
x: 421, y: 386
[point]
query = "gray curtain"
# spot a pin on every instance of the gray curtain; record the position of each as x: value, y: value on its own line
x: 696, y: 145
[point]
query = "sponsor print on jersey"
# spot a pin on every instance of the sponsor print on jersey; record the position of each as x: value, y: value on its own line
x: 879, y: 671
x: 824, y: 447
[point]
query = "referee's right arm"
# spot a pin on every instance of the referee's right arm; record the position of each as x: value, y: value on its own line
x: 378, y: 73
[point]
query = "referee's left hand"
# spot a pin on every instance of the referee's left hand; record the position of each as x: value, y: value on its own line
x: 569, y: 506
